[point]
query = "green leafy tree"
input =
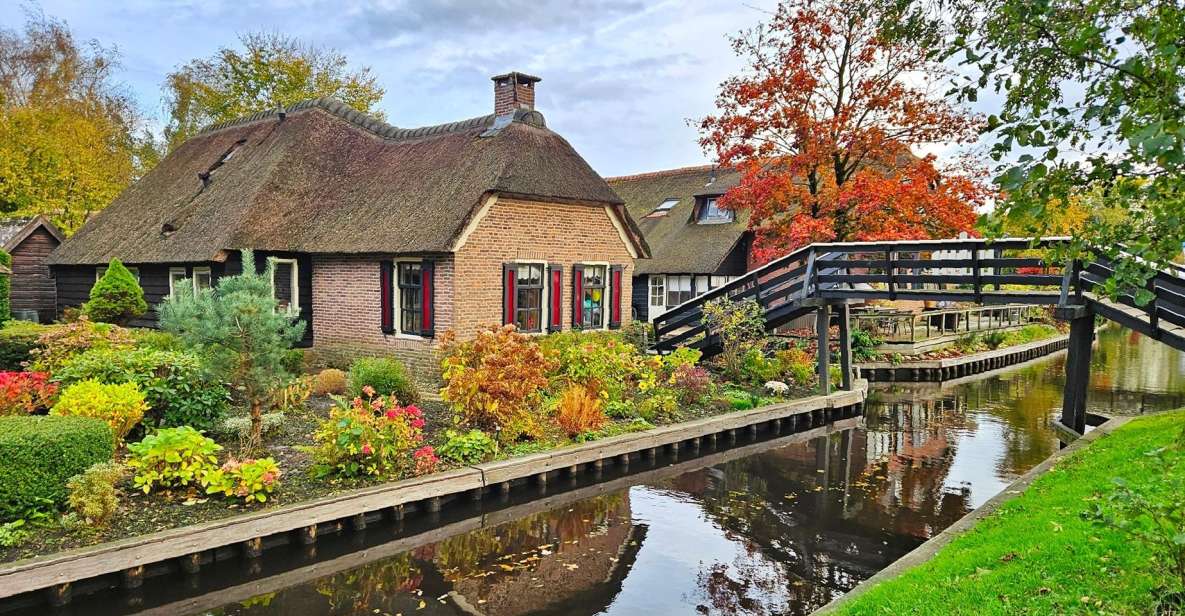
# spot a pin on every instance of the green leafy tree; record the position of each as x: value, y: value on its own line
x: 5, y: 288
x: 237, y: 326
x: 270, y: 71
x: 71, y: 138
x: 1091, y: 104
x: 740, y: 327
x: 116, y: 297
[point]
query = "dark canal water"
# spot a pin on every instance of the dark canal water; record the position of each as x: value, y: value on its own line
x: 778, y: 527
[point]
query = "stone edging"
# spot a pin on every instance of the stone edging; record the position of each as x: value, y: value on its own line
x: 130, y: 556
x: 927, y: 550
x: 954, y: 367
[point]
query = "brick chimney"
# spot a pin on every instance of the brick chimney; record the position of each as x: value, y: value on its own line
x: 514, y: 91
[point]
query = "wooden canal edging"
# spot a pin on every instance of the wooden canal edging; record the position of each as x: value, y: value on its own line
x: 189, y: 547
x: 956, y: 367
x: 315, y: 570
x: 931, y: 547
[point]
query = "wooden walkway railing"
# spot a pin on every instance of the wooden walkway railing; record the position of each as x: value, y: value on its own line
x: 818, y: 277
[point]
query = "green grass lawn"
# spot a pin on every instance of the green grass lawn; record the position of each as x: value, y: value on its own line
x: 1036, y: 554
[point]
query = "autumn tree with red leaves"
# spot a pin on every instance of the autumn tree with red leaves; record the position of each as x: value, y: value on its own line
x: 821, y: 122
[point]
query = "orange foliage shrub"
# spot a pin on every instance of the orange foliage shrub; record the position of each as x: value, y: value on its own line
x: 580, y: 410
x: 330, y: 381
x: 494, y: 381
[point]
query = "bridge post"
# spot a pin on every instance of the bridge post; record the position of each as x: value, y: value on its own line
x: 1081, y: 344
x: 844, y: 314
x: 823, y: 328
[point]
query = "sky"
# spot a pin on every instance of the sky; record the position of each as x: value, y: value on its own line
x: 621, y: 78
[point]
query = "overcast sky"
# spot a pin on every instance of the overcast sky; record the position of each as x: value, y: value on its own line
x: 620, y: 77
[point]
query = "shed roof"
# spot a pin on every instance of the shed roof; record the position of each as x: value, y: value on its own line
x: 320, y: 177
x: 13, y: 231
x: 677, y: 243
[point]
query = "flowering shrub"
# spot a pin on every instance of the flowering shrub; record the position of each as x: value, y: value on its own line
x: 580, y: 410
x: 60, y: 343
x: 740, y: 326
x: 251, y: 480
x: 375, y: 437
x: 22, y: 393
x: 600, y: 360
x: 121, y: 406
x: 797, y: 366
x: 426, y: 460
x: 494, y: 381
x: 172, y: 458
x: 691, y: 383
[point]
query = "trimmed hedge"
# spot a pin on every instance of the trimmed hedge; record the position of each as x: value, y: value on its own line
x: 39, y: 454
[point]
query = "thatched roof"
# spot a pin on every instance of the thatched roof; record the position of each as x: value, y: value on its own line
x: 323, y: 178
x: 13, y: 231
x: 677, y: 243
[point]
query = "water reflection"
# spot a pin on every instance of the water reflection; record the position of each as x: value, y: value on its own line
x: 781, y: 531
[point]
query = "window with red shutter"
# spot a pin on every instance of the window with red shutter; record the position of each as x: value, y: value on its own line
x: 615, y: 274
x: 509, y: 275
x: 428, y: 322
x: 555, y: 290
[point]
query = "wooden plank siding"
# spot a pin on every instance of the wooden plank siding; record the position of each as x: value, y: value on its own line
x: 73, y: 284
x: 32, y: 286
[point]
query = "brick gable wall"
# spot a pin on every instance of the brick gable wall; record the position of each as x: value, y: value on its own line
x: 346, y: 308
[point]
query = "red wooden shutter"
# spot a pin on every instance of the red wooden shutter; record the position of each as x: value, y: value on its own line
x: 428, y: 297
x: 386, y: 297
x: 555, y: 289
x: 615, y: 274
x: 509, y: 274
x: 577, y: 296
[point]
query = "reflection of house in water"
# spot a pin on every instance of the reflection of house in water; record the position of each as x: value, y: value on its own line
x: 567, y: 561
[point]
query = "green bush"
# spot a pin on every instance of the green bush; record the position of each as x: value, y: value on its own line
x: 386, y: 375
x: 294, y: 361
x: 156, y: 339
x: 864, y: 345
x: 38, y: 455
x: 5, y: 289
x: 251, y: 480
x: 602, y: 360
x: 472, y: 447
x: 757, y: 368
x: 176, y: 386
x: 116, y: 297
x: 17, y: 338
x: 93, y: 497
x: 61, y: 342
x: 172, y: 458
x: 239, y: 426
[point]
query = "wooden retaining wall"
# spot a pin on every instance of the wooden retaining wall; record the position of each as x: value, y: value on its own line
x: 957, y: 367
x: 189, y: 548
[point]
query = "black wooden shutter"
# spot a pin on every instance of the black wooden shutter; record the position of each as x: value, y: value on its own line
x: 615, y: 274
x: 577, y: 296
x: 509, y: 273
x: 555, y: 297
x: 386, y: 297
x: 428, y: 298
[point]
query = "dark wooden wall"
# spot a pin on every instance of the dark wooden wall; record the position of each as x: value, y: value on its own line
x: 74, y: 284
x: 32, y: 286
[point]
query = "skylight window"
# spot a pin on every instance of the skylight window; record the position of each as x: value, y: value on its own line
x: 666, y: 205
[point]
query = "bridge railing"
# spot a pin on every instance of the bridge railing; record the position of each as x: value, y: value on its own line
x: 1009, y: 270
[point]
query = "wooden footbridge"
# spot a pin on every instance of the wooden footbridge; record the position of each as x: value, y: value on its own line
x: 822, y: 278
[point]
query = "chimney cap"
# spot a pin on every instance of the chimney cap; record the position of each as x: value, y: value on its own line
x: 517, y: 77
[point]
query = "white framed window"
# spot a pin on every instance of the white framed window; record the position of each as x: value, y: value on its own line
x: 711, y: 213
x: 530, y: 311
x: 102, y: 269
x: 719, y: 281
x: 595, y: 298
x: 678, y: 290
x: 201, y: 279
x: 658, y: 295
x: 286, y: 284
x: 177, y: 276
x: 701, y: 285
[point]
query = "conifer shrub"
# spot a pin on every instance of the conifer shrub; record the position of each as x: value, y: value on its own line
x: 116, y: 297
x: 38, y: 454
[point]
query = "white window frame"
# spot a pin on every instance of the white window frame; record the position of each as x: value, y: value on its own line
x: 192, y: 278
x: 726, y: 216
x: 606, y: 306
x: 172, y: 283
x: 545, y: 298
x: 202, y: 270
x: 656, y: 310
x: 690, y: 287
x: 397, y: 300
x: 294, y: 305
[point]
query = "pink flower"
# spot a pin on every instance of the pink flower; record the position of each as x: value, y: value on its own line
x: 368, y: 390
x: 412, y: 410
x: 392, y: 414
x: 427, y: 451
x: 366, y: 449
x: 417, y: 423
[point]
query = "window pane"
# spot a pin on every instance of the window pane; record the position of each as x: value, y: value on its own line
x: 711, y: 212
x: 411, y: 297
x: 201, y: 279
x: 284, y: 285
x: 593, y: 301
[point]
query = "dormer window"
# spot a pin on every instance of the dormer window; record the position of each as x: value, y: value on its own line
x: 664, y: 207
x: 711, y: 213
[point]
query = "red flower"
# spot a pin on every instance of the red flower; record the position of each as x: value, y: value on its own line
x: 366, y: 450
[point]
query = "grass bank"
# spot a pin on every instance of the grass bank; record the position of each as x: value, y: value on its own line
x: 1037, y: 554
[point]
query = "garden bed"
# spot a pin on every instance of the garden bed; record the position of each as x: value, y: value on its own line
x: 1040, y: 547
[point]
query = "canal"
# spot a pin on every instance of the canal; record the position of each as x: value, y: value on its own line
x: 778, y: 527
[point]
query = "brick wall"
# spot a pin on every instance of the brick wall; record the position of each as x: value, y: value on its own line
x: 514, y: 230
x: 346, y: 309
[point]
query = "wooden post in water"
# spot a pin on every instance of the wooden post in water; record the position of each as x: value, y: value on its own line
x: 845, y: 346
x: 822, y: 328
x: 1077, y: 366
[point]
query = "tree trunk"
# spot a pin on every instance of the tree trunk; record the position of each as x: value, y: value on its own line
x: 255, y: 442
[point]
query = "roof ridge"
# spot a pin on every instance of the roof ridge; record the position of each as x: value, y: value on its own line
x: 376, y: 126
x: 663, y: 172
